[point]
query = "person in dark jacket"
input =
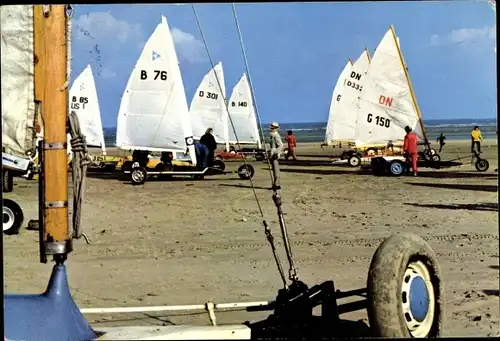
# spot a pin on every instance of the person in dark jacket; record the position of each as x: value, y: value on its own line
x: 201, y: 152
x: 208, y: 140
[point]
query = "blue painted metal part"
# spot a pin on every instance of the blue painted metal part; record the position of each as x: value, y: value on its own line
x: 52, y: 315
x: 419, y: 299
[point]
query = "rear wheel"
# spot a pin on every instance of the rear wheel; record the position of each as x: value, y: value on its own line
x: 138, y: 175
x: 12, y: 217
x: 7, y: 181
x: 396, y: 168
x: 482, y: 165
x: 354, y: 161
x: 246, y: 172
x: 219, y: 165
x: 404, y: 289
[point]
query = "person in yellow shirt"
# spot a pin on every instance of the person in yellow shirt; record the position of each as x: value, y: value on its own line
x: 476, y: 139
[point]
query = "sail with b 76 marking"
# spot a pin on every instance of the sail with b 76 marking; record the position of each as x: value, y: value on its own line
x: 153, y: 113
x: 387, y: 103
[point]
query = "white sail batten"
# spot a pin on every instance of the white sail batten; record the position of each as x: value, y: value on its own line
x: 332, y: 132
x: 242, y: 111
x: 153, y: 112
x: 17, y: 67
x: 344, y: 119
x: 84, y: 101
x: 385, y: 105
x: 208, y: 107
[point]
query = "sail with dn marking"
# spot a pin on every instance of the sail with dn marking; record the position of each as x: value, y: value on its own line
x: 331, y: 131
x: 84, y: 101
x: 17, y: 66
x: 387, y: 105
x: 208, y: 107
x: 344, y: 118
x: 153, y: 112
x: 243, y: 115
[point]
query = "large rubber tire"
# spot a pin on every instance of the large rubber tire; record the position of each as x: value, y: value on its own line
x: 396, y: 168
x: 405, y: 291
x: 482, y: 165
x: 12, y: 217
x: 7, y: 181
x: 246, y: 172
x: 138, y: 175
x: 354, y: 161
x: 219, y: 165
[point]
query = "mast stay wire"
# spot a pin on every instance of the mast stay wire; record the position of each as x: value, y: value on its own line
x: 267, y: 230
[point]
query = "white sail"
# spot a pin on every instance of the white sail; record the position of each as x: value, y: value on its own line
x: 242, y: 111
x: 386, y: 104
x: 344, y: 118
x: 153, y: 112
x: 331, y: 128
x: 208, y: 107
x: 84, y: 101
x: 17, y: 67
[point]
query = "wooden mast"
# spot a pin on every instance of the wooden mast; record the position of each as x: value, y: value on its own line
x: 414, y: 98
x: 51, y: 90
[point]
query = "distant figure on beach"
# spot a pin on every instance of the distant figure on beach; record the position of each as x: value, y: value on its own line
x: 208, y: 140
x: 476, y: 139
x: 292, y: 144
x: 276, y: 147
x: 410, y: 148
x: 441, y: 139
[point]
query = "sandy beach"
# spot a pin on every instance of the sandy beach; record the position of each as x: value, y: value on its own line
x: 187, y: 242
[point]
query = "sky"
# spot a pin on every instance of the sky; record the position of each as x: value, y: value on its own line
x: 296, y: 51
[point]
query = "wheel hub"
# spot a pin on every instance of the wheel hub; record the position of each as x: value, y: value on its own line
x: 396, y: 168
x: 418, y: 300
x: 8, y: 218
x: 137, y: 176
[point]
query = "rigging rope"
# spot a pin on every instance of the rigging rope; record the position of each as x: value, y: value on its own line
x: 276, y: 195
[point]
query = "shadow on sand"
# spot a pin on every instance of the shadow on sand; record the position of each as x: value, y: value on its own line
x: 495, y: 267
x: 491, y: 292
x: 482, y: 188
x: 332, y: 171
x: 246, y: 186
x: 124, y: 178
x: 469, y: 207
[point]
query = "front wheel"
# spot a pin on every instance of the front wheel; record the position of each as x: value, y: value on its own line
x: 405, y: 298
x: 354, y: 161
x: 246, y: 172
x: 396, y: 168
x: 138, y: 175
x: 7, y: 181
x: 482, y: 165
x: 13, y: 217
x: 219, y: 165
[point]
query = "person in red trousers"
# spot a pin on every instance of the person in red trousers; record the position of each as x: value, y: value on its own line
x: 292, y: 144
x: 410, y: 148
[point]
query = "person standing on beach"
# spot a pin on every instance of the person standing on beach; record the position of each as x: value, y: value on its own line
x: 410, y: 148
x: 292, y: 144
x: 476, y: 139
x: 276, y: 147
x: 208, y: 140
x: 441, y: 139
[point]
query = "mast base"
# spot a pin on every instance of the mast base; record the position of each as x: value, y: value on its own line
x: 52, y: 315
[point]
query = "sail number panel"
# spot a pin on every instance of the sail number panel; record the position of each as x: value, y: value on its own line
x: 209, y: 95
x: 157, y: 75
x: 78, y: 103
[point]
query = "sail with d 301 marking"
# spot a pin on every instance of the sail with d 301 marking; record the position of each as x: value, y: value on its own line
x: 208, y: 107
x: 387, y: 103
x: 153, y: 112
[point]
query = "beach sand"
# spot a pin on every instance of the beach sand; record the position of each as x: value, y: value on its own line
x: 187, y: 242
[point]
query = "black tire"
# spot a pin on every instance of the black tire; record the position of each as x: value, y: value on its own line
x: 371, y: 151
x: 219, y: 165
x: 246, y: 172
x: 259, y: 156
x: 396, y: 168
x: 354, y: 161
x: 436, y: 158
x: 404, y: 266
x: 482, y: 165
x: 13, y: 217
x: 7, y: 181
x: 138, y: 175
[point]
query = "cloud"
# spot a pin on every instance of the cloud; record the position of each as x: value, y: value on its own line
x: 102, y: 26
x: 464, y: 36
x: 188, y: 47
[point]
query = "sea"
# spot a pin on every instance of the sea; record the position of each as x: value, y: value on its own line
x: 456, y: 129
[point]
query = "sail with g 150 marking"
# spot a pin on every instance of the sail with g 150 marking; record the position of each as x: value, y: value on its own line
x: 17, y: 66
x: 84, y: 101
x: 331, y: 131
x: 153, y: 112
x: 243, y: 115
x: 387, y: 103
x: 208, y: 107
